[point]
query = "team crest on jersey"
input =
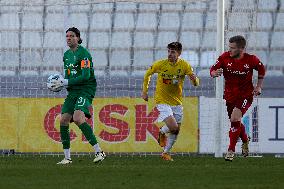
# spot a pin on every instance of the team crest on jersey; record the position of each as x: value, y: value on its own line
x: 178, y: 71
x: 230, y: 64
x: 246, y: 66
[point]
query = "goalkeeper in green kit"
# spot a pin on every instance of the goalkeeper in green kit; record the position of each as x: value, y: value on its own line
x: 81, y: 85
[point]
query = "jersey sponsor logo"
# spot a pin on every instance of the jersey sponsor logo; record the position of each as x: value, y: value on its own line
x: 167, y: 81
x: 246, y: 66
x: 237, y: 72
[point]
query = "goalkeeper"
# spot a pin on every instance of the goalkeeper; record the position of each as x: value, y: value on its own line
x: 168, y: 96
x: 81, y: 85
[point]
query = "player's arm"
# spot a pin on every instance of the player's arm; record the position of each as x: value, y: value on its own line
x: 147, y: 78
x: 261, y: 73
x: 192, y: 76
x: 216, y: 70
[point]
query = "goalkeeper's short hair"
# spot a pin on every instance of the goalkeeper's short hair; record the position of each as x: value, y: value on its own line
x: 175, y: 46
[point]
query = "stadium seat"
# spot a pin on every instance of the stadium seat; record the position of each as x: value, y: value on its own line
x: 102, y: 7
x: 192, y: 20
x: 164, y: 38
x: 274, y: 73
x: 121, y: 40
x: 99, y: 40
x: 80, y: 8
x: 264, y: 5
x: 125, y: 6
x: 191, y: 57
x: 279, y: 20
x: 31, y: 58
x: 276, y: 58
x: 119, y: 63
x: 160, y: 54
x: 124, y: 21
x: 203, y: 73
x: 78, y: 20
x: 241, y: 4
x: 52, y: 60
x: 9, y: 21
x: 169, y: 20
x: 172, y: 7
x: 143, y: 40
x: 208, y: 58
x: 211, y: 20
x: 209, y: 40
x: 239, y: 20
x: 54, y: 21
x: 263, y: 56
x: 31, y: 40
x: 281, y: 5
x: 99, y: 58
x: 120, y: 58
x: 263, y: 20
x: 148, y: 7
x: 277, y: 40
x: 9, y: 62
x: 195, y: 5
x: 101, y: 21
x: 32, y: 21
x: 54, y: 40
x: 143, y: 58
x: 190, y: 39
x: 9, y: 39
x: 257, y: 40
x: 146, y: 21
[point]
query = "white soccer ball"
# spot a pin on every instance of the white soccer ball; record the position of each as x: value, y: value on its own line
x: 54, y: 82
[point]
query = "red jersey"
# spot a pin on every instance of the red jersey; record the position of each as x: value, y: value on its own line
x: 238, y: 74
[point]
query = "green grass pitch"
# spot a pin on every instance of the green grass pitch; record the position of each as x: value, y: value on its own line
x: 135, y: 172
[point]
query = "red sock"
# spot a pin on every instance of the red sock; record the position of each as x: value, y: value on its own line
x: 243, y: 134
x: 234, y: 134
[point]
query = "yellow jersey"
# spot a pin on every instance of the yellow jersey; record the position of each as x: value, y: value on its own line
x: 170, y: 80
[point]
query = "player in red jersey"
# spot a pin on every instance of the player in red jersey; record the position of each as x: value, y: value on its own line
x: 237, y: 68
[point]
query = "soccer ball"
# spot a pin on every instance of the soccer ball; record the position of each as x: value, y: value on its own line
x: 54, y: 82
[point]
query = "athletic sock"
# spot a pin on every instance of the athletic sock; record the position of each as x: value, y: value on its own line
x: 67, y: 153
x: 170, y: 142
x: 243, y: 134
x: 65, y: 136
x: 88, y: 132
x: 97, y: 148
x: 234, y: 134
x: 164, y: 129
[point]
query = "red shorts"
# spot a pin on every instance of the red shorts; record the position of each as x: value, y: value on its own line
x: 242, y: 103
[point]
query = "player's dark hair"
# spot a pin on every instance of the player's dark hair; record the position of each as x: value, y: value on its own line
x: 175, y: 46
x: 239, y: 40
x: 77, y: 33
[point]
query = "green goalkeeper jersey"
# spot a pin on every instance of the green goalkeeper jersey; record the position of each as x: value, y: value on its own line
x: 79, y: 71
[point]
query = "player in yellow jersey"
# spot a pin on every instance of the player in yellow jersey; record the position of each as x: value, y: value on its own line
x: 168, y: 96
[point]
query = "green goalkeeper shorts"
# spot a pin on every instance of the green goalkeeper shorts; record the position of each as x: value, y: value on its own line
x: 77, y: 102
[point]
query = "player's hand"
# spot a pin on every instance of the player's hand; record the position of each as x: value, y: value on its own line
x: 194, y: 79
x: 257, y: 91
x: 217, y: 73
x: 145, y: 96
